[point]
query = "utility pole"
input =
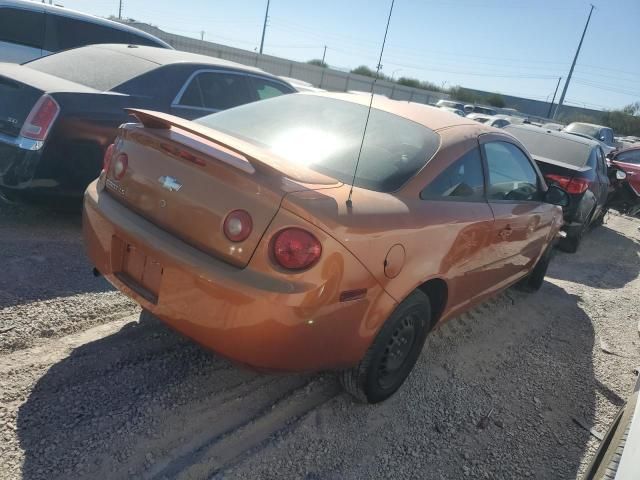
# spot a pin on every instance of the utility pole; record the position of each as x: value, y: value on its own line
x: 575, y: 59
x: 554, y: 97
x: 202, y: 35
x: 264, y: 27
x: 120, y: 11
x: 324, y: 54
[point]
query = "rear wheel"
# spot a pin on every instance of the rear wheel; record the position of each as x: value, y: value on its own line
x: 393, y: 353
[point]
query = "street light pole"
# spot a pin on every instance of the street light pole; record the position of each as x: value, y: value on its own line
x: 554, y: 97
x: 575, y: 59
x: 324, y: 54
x: 264, y: 27
x: 119, y: 11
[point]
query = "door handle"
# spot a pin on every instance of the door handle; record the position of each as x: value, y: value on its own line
x: 506, y: 232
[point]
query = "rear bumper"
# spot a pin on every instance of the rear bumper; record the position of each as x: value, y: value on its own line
x: 18, y: 163
x: 257, y: 315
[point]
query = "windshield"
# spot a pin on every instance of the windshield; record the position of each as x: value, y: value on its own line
x: 93, y: 66
x: 325, y: 134
x: 584, y: 129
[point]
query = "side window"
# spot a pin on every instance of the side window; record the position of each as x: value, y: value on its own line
x: 632, y: 156
x: 140, y: 40
x: 22, y: 27
x: 63, y: 33
x: 602, y: 166
x: 511, y: 175
x: 265, y: 88
x: 463, y: 180
x: 216, y: 91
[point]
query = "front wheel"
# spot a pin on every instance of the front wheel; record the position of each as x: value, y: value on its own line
x: 393, y: 353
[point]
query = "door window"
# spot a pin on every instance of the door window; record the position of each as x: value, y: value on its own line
x: 511, y: 175
x: 216, y: 91
x: 463, y: 180
x: 265, y: 88
x: 632, y: 156
x: 63, y: 33
x: 22, y: 27
x: 602, y: 166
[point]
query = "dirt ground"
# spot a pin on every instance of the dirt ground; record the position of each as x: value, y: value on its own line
x: 89, y: 391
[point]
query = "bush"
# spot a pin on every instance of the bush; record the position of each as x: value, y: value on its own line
x: 496, y: 100
x: 364, y: 70
x: 463, y: 95
x: 318, y: 63
x: 409, y: 82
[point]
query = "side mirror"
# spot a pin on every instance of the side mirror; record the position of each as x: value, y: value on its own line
x: 621, y: 175
x: 557, y: 196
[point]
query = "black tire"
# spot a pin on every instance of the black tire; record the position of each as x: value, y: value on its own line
x: 533, y: 282
x: 393, y: 353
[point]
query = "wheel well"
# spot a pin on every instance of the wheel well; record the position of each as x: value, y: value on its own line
x: 437, y: 291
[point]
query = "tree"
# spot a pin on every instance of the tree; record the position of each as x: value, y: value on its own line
x: 409, y: 82
x: 463, y: 95
x: 364, y: 70
x: 318, y: 63
x: 496, y: 100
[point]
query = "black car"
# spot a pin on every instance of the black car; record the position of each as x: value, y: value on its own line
x: 59, y: 113
x: 577, y: 165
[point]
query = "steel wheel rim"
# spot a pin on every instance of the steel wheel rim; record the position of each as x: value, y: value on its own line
x: 398, y: 350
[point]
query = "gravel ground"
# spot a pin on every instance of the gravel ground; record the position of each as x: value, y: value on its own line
x: 90, y: 391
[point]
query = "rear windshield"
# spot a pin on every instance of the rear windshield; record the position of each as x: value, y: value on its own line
x: 584, y: 129
x: 324, y: 134
x: 543, y: 145
x: 94, y: 67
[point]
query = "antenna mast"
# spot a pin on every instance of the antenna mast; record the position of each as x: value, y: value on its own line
x: 366, y: 123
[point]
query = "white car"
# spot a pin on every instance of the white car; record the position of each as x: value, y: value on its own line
x: 30, y: 30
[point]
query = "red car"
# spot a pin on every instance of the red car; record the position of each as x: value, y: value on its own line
x: 629, y: 161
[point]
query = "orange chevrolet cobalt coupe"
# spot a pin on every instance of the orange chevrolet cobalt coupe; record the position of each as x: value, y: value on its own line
x: 239, y: 229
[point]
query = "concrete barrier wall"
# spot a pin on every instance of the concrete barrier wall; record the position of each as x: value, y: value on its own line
x: 327, y: 78
x: 337, y: 80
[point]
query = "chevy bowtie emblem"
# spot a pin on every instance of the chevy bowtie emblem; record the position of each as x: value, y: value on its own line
x: 170, y: 183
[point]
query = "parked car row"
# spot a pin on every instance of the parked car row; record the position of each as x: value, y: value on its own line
x: 59, y: 113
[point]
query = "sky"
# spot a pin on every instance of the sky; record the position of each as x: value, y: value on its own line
x: 514, y: 47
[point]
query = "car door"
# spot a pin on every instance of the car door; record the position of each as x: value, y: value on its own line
x: 458, y: 194
x: 515, y: 195
x: 629, y: 161
x: 209, y: 91
x: 603, y: 181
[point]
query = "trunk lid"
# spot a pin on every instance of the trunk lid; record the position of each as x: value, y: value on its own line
x: 187, y: 178
x: 20, y: 89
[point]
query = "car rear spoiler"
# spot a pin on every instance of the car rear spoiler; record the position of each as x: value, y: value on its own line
x: 258, y: 158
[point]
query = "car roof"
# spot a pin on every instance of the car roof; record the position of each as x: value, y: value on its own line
x: 161, y: 56
x: 554, y: 133
x: 62, y: 11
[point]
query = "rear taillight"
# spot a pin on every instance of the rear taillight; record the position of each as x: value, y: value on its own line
x: 575, y: 185
x: 296, y: 249
x: 120, y: 166
x: 106, y: 160
x: 238, y: 225
x: 40, y: 119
